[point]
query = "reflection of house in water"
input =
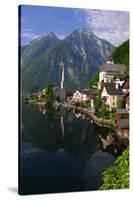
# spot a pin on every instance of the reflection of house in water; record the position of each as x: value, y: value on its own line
x: 42, y: 108
x: 109, y: 140
x: 112, y: 144
x: 77, y: 114
x: 108, y: 143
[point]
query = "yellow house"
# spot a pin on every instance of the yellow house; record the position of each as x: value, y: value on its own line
x: 110, y: 95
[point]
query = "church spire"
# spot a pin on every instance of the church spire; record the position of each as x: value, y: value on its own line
x: 62, y: 76
x: 62, y: 94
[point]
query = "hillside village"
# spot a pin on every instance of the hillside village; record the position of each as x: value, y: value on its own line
x: 113, y: 88
x: 108, y: 98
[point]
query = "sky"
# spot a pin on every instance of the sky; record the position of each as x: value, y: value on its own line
x: 37, y: 21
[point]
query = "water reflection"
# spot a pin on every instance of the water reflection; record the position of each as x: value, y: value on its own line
x: 62, y: 126
x: 61, y: 152
x: 97, y: 164
x: 46, y: 132
x: 51, y: 130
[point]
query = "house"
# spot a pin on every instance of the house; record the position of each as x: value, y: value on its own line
x: 125, y: 89
x: 123, y: 128
x: 125, y: 86
x: 79, y: 96
x: 122, y: 123
x: 41, y: 94
x: 108, y: 71
x: 85, y: 95
x: 110, y: 95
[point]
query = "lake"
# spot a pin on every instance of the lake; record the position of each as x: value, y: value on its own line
x: 61, y: 152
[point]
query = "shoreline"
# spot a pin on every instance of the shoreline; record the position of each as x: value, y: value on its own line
x: 98, y: 121
x: 89, y: 114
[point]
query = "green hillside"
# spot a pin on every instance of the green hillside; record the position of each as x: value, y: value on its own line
x: 121, y: 54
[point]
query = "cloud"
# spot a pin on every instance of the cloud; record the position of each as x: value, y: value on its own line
x: 28, y: 34
x: 110, y: 25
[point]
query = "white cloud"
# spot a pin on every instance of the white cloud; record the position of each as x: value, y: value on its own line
x: 27, y: 34
x: 110, y: 25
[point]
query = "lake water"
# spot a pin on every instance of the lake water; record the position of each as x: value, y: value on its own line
x: 62, y: 153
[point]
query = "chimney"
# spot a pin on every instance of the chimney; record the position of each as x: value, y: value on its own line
x: 117, y: 86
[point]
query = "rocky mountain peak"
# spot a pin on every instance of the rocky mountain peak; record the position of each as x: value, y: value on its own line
x: 51, y: 35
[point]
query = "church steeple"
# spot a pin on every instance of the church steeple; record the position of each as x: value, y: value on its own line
x: 62, y: 95
x: 62, y: 76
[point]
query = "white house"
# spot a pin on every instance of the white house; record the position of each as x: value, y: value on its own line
x: 78, y: 96
x: 109, y: 71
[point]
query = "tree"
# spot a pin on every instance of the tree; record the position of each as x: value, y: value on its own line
x: 98, y: 102
x: 49, y: 95
x: 94, y: 80
x: 117, y: 177
x: 87, y: 104
x: 104, y: 112
x: 121, y: 55
x: 121, y: 103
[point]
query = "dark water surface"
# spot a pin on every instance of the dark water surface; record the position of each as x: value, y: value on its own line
x: 62, y: 153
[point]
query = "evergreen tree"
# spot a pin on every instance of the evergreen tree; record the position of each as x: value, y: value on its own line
x: 49, y: 95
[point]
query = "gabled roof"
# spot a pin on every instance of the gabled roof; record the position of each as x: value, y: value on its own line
x: 86, y: 92
x: 77, y: 91
x: 116, y: 68
x: 127, y: 94
x: 111, y: 89
x: 125, y: 85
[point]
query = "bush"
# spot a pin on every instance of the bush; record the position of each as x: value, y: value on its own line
x: 121, y: 55
x: 120, y: 103
x: 87, y: 104
x: 94, y: 80
x: 117, y: 177
x: 104, y: 113
x: 98, y: 102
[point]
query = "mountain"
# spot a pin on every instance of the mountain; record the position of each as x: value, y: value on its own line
x: 82, y: 53
x: 121, y: 54
x: 36, y: 48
